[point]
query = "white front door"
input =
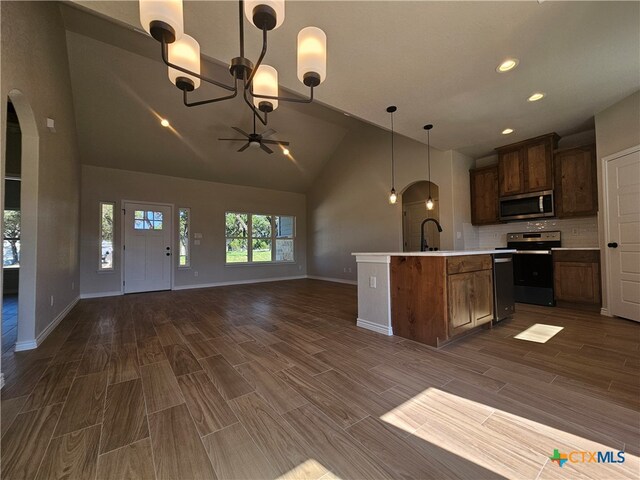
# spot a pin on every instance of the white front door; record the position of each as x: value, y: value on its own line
x: 147, y: 247
x: 623, y: 234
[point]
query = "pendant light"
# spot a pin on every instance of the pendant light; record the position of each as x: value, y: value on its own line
x: 430, y: 199
x: 392, y: 195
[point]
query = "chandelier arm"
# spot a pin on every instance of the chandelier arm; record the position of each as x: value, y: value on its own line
x: 286, y: 99
x: 204, y: 102
x: 165, y: 58
x: 255, y: 111
x: 260, y: 58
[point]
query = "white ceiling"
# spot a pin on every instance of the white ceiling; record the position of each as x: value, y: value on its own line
x: 436, y: 61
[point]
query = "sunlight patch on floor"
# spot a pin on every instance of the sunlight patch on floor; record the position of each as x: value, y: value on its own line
x: 539, y: 333
x: 502, y: 442
x: 309, y: 469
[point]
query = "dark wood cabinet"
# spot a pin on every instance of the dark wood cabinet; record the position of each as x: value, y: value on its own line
x: 576, y: 276
x: 526, y: 166
x: 576, y: 186
x: 484, y: 195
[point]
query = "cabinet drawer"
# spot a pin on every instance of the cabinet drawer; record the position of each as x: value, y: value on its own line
x: 468, y: 263
x: 581, y: 256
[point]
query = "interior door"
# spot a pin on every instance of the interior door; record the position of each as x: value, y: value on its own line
x: 623, y: 235
x: 147, y: 247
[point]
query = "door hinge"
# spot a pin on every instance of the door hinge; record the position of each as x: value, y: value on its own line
x: 124, y: 211
x: 124, y: 247
x: 123, y: 283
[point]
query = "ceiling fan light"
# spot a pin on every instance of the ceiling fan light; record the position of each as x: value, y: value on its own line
x: 185, y: 53
x: 265, y: 82
x: 267, y: 14
x: 312, y: 56
x: 162, y: 19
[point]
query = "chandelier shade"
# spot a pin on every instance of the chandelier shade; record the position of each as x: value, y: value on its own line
x: 265, y: 82
x: 267, y: 14
x: 312, y: 56
x: 185, y: 52
x: 162, y: 19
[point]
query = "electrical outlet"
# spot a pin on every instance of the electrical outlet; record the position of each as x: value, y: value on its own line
x: 196, y: 242
x: 372, y: 282
x: 349, y: 269
x: 52, y: 300
x: 344, y: 270
x: 574, y: 231
x: 195, y: 273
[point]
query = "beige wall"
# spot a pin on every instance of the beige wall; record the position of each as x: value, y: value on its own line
x: 34, y: 62
x: 617, y: 128
x: 348, y: 208
x: 208, y: 202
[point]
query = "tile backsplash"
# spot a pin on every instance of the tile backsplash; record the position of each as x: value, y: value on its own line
x: 576, y: 232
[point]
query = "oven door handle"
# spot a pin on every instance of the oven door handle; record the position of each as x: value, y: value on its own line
x: 533, y: 252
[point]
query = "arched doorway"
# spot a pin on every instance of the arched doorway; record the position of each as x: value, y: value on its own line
x: 28, y: 208
x: 414, y: 211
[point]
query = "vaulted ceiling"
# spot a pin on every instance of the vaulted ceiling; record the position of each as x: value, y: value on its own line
x: 435, y: 60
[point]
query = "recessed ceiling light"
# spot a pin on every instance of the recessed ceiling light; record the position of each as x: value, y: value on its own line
x: 285, y: 151
x: 507, y: 131
x: 535, y: 97
x: 164, y: 122
x: 508, y: 64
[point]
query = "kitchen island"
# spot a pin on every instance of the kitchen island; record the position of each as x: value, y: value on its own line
x: 429, y: 297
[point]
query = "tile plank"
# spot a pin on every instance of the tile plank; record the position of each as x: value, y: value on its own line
x: 133, y: 462
x: 73, y: 455
x: 124, y: 418
x: 227, y: 380
x: 181, y: 359
x: 160, y: 387
x: 84, y: 405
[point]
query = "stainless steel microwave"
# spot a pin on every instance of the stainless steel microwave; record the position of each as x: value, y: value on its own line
x: 527, y: 205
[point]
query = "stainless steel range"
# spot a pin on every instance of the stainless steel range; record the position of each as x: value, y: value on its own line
x: 533, y: 266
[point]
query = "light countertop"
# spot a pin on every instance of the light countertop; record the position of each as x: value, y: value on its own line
x: 439, y: 253
x: 576, y: 248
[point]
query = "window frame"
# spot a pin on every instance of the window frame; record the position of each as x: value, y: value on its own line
x: 187, y: 264
x: 102, y: 269
x: 250, y: 238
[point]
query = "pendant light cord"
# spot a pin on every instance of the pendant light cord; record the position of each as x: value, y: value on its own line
x: 393, y: 177
x: 429, y: 159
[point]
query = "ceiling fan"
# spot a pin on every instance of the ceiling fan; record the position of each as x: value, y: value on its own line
x: 255, y: 140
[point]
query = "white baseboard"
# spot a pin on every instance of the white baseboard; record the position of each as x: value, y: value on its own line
x: 99, y: 295
x: 31, y: 344
x: 336, y: 280
x: 236, y: 282
x: 605, y: 312
x: 374, y: 327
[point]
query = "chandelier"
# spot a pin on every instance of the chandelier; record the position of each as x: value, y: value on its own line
x: 258, y: 83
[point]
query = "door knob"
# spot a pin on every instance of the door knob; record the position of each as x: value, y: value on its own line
x: 612, y: 244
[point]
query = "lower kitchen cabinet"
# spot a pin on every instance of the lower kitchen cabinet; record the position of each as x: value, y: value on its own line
x: 576, y: 276
x: 470, y: 300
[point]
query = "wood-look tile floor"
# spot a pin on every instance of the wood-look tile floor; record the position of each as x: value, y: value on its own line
x: 275, y: 380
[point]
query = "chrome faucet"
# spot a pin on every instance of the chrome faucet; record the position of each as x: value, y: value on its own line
x: 423, y: 240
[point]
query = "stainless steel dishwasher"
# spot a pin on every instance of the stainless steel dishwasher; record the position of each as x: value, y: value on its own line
x: 503, y: 286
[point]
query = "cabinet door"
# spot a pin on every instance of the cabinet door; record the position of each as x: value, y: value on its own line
x: 537, y: 167
x: 576, y: 184
x: 482, y: 296
x: 511, y: 173
x: 577, y: 282
x: 460, y: 307
x: 484, y: 195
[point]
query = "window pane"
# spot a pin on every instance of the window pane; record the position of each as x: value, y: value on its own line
x: 285, y: 227
x: 284, y: 250
x: 106, y: 236
x: 157, y: 216
x: 138, y: 224
x: 11, y: 253
x: 138, y: 214
x: 183, y: 236
x: 261, y: 251
x: 237, y: 250
x: 237, y: 225
x: 149, y: 215
x: 261, y: 226
x: 157, y: 225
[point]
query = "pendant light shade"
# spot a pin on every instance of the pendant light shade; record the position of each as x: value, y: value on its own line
x: 267, y: 14
x: 185, y: 53
x: 265, y: 82
x: 312, y: 56
x: 429, y: 202
x: 393, y: 198
x: 162, y: 19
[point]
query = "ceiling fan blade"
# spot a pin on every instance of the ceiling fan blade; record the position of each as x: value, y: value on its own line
x: 265, y: 148
x: 244, y: 147
x: 275, y: 142
x: 234, y: 139
x: 268, y: 133
x: 241, y: 131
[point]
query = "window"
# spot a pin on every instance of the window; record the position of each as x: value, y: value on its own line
x: 183, y: 234
x: 11, y: 239
x: 147, y: 220
x: 255, y: 238
x: 106, y: 235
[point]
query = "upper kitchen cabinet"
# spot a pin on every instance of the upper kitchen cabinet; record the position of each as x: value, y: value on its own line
x: 526, y: 166
x: 576, y: 183
x: 484, y: 195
